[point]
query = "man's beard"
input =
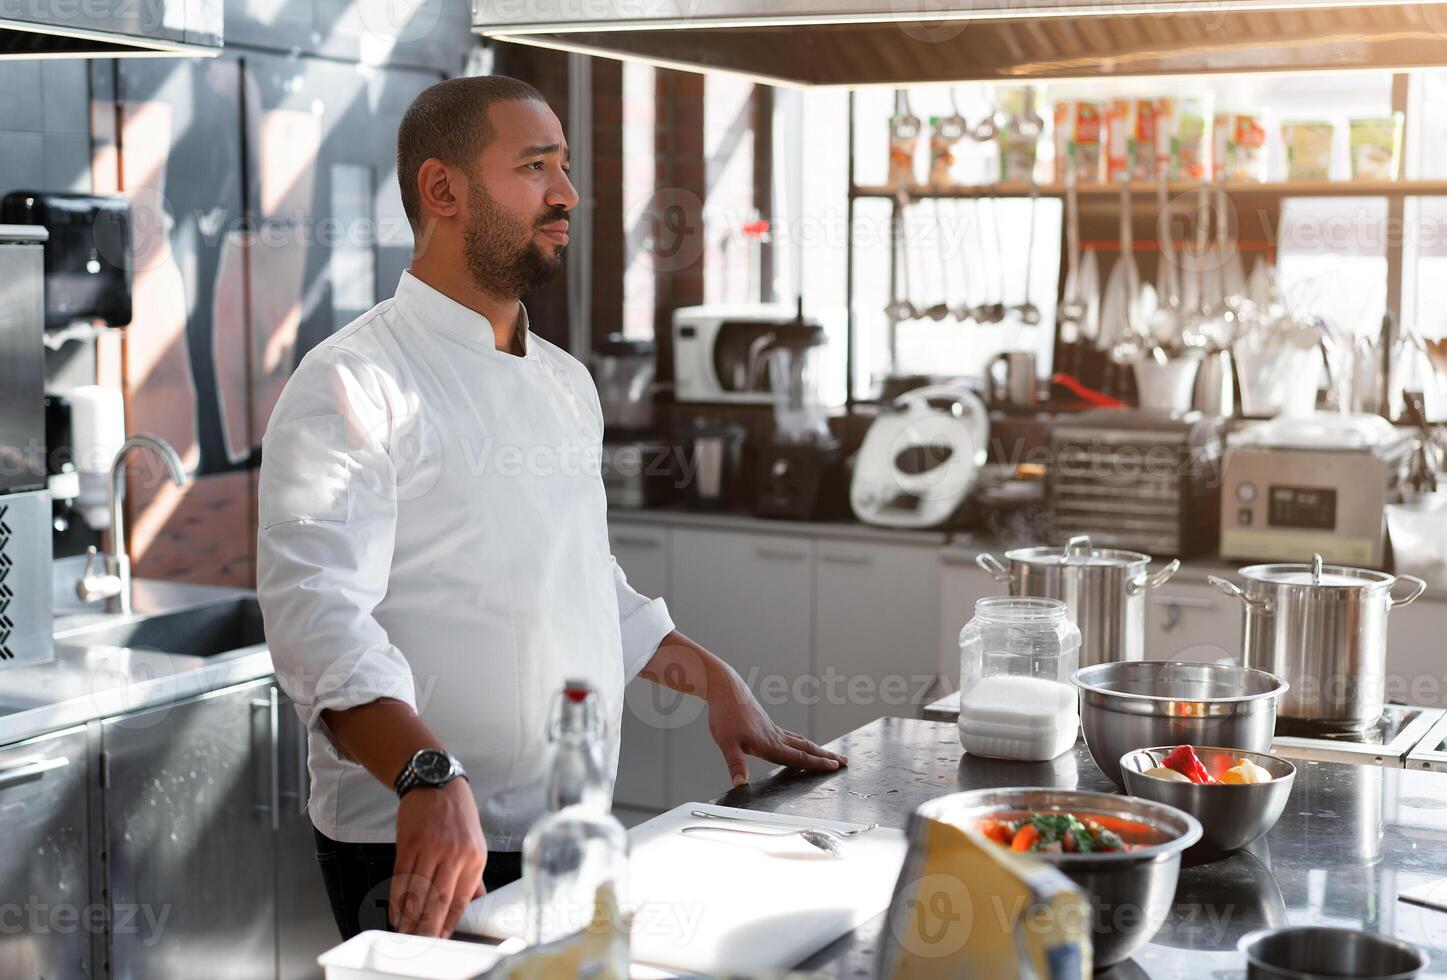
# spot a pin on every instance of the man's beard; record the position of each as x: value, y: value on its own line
x: 498, y: 264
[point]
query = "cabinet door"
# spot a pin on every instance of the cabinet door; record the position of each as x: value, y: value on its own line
x: 1192, y: 621
x: 190, y: 805
x: 748, y: 598
x: 305, y: 927
x: 876, y: 632
x: 962, y: 584
x: 642, y: 552
x: 1414, y: 652
x: 45, y: 863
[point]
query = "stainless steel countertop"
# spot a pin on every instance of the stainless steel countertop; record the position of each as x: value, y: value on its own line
x: 89, y: 682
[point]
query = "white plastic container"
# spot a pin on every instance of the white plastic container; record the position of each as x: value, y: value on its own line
x: 1017, y: 700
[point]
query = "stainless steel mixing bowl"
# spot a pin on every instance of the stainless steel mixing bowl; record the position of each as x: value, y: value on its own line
x: 1130, y: 892
x: 1127, y: 706
x: 1231, y: 816
x: 1312, y: 952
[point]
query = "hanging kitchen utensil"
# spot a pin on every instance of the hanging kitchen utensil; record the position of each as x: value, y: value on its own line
x: 966, y: 312
x: 1127, y: 343
x: 989, y: 127
x: 1090, y: 295
x: 940, y: 310
x: 1071, y: 306
x: 1027, y: 311
x: 1165, y: 322
x: 994, y: 312
x: 900, y: 307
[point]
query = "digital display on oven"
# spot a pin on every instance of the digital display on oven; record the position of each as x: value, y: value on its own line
x: 1310, y: 508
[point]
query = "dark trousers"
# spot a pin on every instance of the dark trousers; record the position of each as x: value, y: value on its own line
x: 359, y: 880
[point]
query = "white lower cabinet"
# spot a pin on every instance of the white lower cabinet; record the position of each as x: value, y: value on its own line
x: 748, y: 598
x: 642, y: 553
x: 961, y: 585
x: 1192, y: 621
x: 1416, y: 652
x: 876, y: 629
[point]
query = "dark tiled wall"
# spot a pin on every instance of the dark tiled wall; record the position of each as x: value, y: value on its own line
x: 44, y: 126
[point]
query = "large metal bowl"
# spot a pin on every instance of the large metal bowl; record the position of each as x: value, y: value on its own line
x: 1130, y: 892
x: 1307, y: 952
x: 1231, y: 816
x: 1131, y: 705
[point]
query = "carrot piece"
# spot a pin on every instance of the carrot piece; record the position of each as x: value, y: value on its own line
x: 1025, y: 838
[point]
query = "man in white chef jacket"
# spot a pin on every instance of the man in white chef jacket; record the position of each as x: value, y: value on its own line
x: 433, y: 558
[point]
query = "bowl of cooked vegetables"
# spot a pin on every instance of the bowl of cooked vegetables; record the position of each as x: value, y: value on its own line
x: 1236, y: 795
x: 1123, y: 852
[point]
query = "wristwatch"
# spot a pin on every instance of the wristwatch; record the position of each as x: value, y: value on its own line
x: 427, y: 767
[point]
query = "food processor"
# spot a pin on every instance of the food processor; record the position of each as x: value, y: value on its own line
x: 800, y: 473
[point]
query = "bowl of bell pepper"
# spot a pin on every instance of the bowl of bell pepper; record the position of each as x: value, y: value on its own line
x: 1236, y: 795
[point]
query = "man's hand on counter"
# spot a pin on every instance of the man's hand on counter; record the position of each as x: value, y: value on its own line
x: 441, y: 853
x: 736, y: 720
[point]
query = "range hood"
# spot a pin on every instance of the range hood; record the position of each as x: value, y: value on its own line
x: 892, y: 42
x: 115, y: 29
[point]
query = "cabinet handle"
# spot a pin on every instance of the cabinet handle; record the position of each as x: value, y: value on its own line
x: 31, y: 770
x: 1185, y: 602
x: 269, y: 704
x: 846, y: 558
x: 778, y: 554
x: 648, y: 544
x: 303, y: 777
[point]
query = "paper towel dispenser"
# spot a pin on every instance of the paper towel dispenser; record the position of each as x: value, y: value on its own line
x: 87, y: 256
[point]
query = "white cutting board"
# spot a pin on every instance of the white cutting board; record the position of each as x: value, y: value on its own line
x: 720, y: 902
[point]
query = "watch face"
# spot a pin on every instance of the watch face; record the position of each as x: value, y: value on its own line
x: 432, y: 766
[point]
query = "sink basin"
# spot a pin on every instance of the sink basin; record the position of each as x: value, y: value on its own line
x: 200, y: 631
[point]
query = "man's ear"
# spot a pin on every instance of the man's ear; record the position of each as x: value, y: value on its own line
x: 441, y: 189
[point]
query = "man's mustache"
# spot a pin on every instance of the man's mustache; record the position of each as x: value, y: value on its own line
x: 553, y: 217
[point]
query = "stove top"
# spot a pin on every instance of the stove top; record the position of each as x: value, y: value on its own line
x: 1385, y: 743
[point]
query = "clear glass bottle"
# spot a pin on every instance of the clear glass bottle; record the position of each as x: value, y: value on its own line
x: 575, y: 858
x: 1017, y: 700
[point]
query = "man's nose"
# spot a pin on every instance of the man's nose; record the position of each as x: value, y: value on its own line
x: 562, y: 193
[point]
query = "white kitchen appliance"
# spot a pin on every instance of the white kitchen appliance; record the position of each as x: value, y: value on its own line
x: 1314, y: 484
x: 920, y: 458
x: 719, y: 351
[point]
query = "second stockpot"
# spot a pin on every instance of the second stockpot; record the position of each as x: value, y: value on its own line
x: 1324, y: 629
x: 1104, y: 590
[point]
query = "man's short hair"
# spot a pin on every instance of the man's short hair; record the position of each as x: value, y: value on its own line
x: 449, y: 121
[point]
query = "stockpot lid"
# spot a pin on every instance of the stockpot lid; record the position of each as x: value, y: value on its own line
x: 1318, y: 575
x: 1079, y: 553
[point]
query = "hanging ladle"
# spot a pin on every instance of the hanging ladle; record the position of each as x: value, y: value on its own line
x: 990, y: 312
x: 900, y: 307
x: 1027, y: 311
x: 941, y: 309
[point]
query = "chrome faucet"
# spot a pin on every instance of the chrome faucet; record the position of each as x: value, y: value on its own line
x: 114, y: 583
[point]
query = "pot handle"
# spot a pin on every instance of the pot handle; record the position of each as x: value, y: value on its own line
x: 1234, y: 591
x: 1139, y: 585
x: 1075, y: 547
x: 989, y: 563
x: 1419, y: 587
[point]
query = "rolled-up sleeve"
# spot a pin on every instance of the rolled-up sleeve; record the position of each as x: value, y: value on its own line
x: 326, y: 531
x: 644, y: 623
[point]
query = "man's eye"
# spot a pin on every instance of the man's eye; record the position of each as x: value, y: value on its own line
x: 536, y: 165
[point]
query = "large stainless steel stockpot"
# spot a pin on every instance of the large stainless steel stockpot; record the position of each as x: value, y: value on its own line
x: 1324, y: 629
x: 1103, y: 590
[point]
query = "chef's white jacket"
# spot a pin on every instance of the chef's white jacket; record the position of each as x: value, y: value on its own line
x: 433, y: 528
